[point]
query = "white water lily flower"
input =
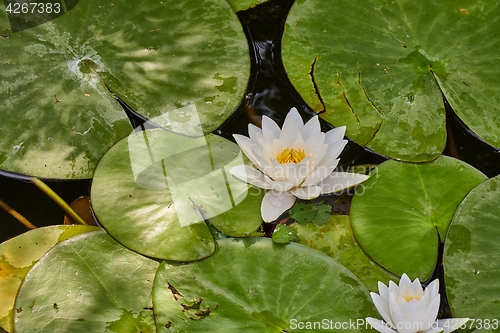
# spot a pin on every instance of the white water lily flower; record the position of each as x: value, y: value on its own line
x: 407, y: 308
x: 294, y: 162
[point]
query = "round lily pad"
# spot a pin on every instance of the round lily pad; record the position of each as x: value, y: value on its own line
x: 89, y: 283
x: 19, y: 254
x: 239, y: 5
x: 336, y: 239
x: 405, y: 207
x: 154, y: 190
x: 254, y: 285
x: 381, y: 68
x: 59, y: 116
x: 471, y: 257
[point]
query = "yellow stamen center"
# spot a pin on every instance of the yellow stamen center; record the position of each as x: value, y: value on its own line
x: 291, y: 156
x: 409, y: 298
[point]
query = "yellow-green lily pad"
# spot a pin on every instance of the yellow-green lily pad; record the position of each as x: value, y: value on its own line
x: 89, y: 283
x: 336, y: 239
x: 19, y: 254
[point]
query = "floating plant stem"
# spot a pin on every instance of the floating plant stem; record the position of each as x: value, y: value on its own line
x: 58, y: 200
x: 17, y: 216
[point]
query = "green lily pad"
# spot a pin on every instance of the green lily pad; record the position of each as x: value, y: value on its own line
x: 336, y: 239
x: 19, y: 254
x: 89, y: 283
x: 253, y: 285
x: 239, y: 5
x: 380, y: 68
x: 244, y: 218
x: 471, y: 256
x: 403, y: 208
x: 284, y: 234
x: 154, y: 190
x: 60, y: 118
x: 305, y: 213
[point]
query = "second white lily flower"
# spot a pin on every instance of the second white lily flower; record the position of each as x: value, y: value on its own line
x: 407, y: 308
x: 296, y: 161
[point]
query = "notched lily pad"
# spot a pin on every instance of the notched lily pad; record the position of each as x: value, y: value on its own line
x: 380, y: 68
x: 403, y: 208
x: 254, y: 285
x: 154, y: 190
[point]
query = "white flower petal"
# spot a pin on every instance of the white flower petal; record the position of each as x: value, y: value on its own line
x: 266, y: 146
x: 315, y: 145
x: 275, y: 203
x: 382, y: 306
x: 252, y: 130
x: 299, y: 144
x: 318, y: 154
x: 414, y: 313
x: 256, y: 178
x: 295, y: 115
x: 251, y: 176
x: 281, y: 186
x: 383, y: 291
x: 319, y: 174
x: 338, y: 181
x: 311, y: 128
x: 393, y: 288
x: 291, y: 172
x: 416, y: 286
x: 432, y: 290
x: 405, y: 280
x: 270, y: 129
x: 246, y: 144
x: 260, y: 159
x: 451, y: 324
x: 335, y: 135
x: 433, y: 330
x: 432, y: 310
x: 306, y: 193
x: 332, y: 153
x: 379, y: 325
x: 290, y: 132
x: 275, y: 147
x: 398, y: 318
x: 403, y: 324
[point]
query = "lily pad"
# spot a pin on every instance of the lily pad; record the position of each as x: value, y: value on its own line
x: 253, y: 285
x: 244, y: 218
x: 405, y: 206
x: 336, y: 239
x: 284, y: 234
x: 89, y: 283
x: 239, y: 5
x: 165, y: 55
x: 19, y: 254
x: 471, y: 257
x: 154, y: 190
x: 381, y: 68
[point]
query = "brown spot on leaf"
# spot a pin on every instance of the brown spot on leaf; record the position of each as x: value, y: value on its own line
x: 174, y: 292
